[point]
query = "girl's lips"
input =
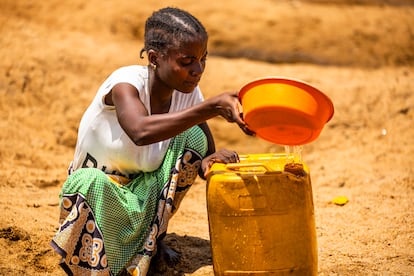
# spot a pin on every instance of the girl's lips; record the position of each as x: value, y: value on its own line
x: 192, y: 83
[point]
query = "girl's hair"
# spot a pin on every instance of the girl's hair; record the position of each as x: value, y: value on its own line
x: 168, y: 27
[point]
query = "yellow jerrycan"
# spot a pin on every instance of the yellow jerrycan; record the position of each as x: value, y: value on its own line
x: 261, y: 217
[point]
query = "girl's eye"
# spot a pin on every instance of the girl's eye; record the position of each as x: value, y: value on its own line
x: 186, y: 61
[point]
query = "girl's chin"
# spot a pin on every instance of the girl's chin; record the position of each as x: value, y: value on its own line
x: 187, y: 88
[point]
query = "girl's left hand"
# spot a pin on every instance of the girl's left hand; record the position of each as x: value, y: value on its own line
x: 222, y: 156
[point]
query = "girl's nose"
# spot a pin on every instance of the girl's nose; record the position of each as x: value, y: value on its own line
x: 197, y: 69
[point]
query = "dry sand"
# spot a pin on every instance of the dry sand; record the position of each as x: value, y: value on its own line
x: 54, y: 55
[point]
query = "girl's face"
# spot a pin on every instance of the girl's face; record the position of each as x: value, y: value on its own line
x: 183, y: 66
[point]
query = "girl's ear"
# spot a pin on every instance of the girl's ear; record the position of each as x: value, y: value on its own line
x: 153, y: 57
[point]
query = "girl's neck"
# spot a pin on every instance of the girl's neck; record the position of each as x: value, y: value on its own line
x: 160, y: 95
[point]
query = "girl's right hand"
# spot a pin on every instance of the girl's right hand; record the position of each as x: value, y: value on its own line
x: 229, y: 108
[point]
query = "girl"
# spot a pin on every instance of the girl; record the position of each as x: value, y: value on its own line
x: 141, y: 144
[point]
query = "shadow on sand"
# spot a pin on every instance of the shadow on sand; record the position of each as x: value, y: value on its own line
x: 195, y: 253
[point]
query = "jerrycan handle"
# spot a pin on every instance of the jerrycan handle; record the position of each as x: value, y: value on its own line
x: 237, y: 166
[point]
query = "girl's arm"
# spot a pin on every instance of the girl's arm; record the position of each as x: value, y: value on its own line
x: 144, y: 129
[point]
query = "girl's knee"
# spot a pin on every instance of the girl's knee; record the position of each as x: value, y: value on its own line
x: 197, y: 140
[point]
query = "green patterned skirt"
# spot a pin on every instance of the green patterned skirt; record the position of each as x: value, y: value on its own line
x: 106, y: 227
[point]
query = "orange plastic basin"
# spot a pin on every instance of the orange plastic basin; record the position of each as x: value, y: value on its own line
x: 285, y: 111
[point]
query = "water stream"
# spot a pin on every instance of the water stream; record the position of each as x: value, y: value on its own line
x: 293, y: 154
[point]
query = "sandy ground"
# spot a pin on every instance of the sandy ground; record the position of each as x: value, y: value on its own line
x: 54, y: 55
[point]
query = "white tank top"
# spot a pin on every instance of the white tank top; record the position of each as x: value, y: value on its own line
x: 103, y: 144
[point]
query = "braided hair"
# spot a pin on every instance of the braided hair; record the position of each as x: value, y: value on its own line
x: 167, y: 27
